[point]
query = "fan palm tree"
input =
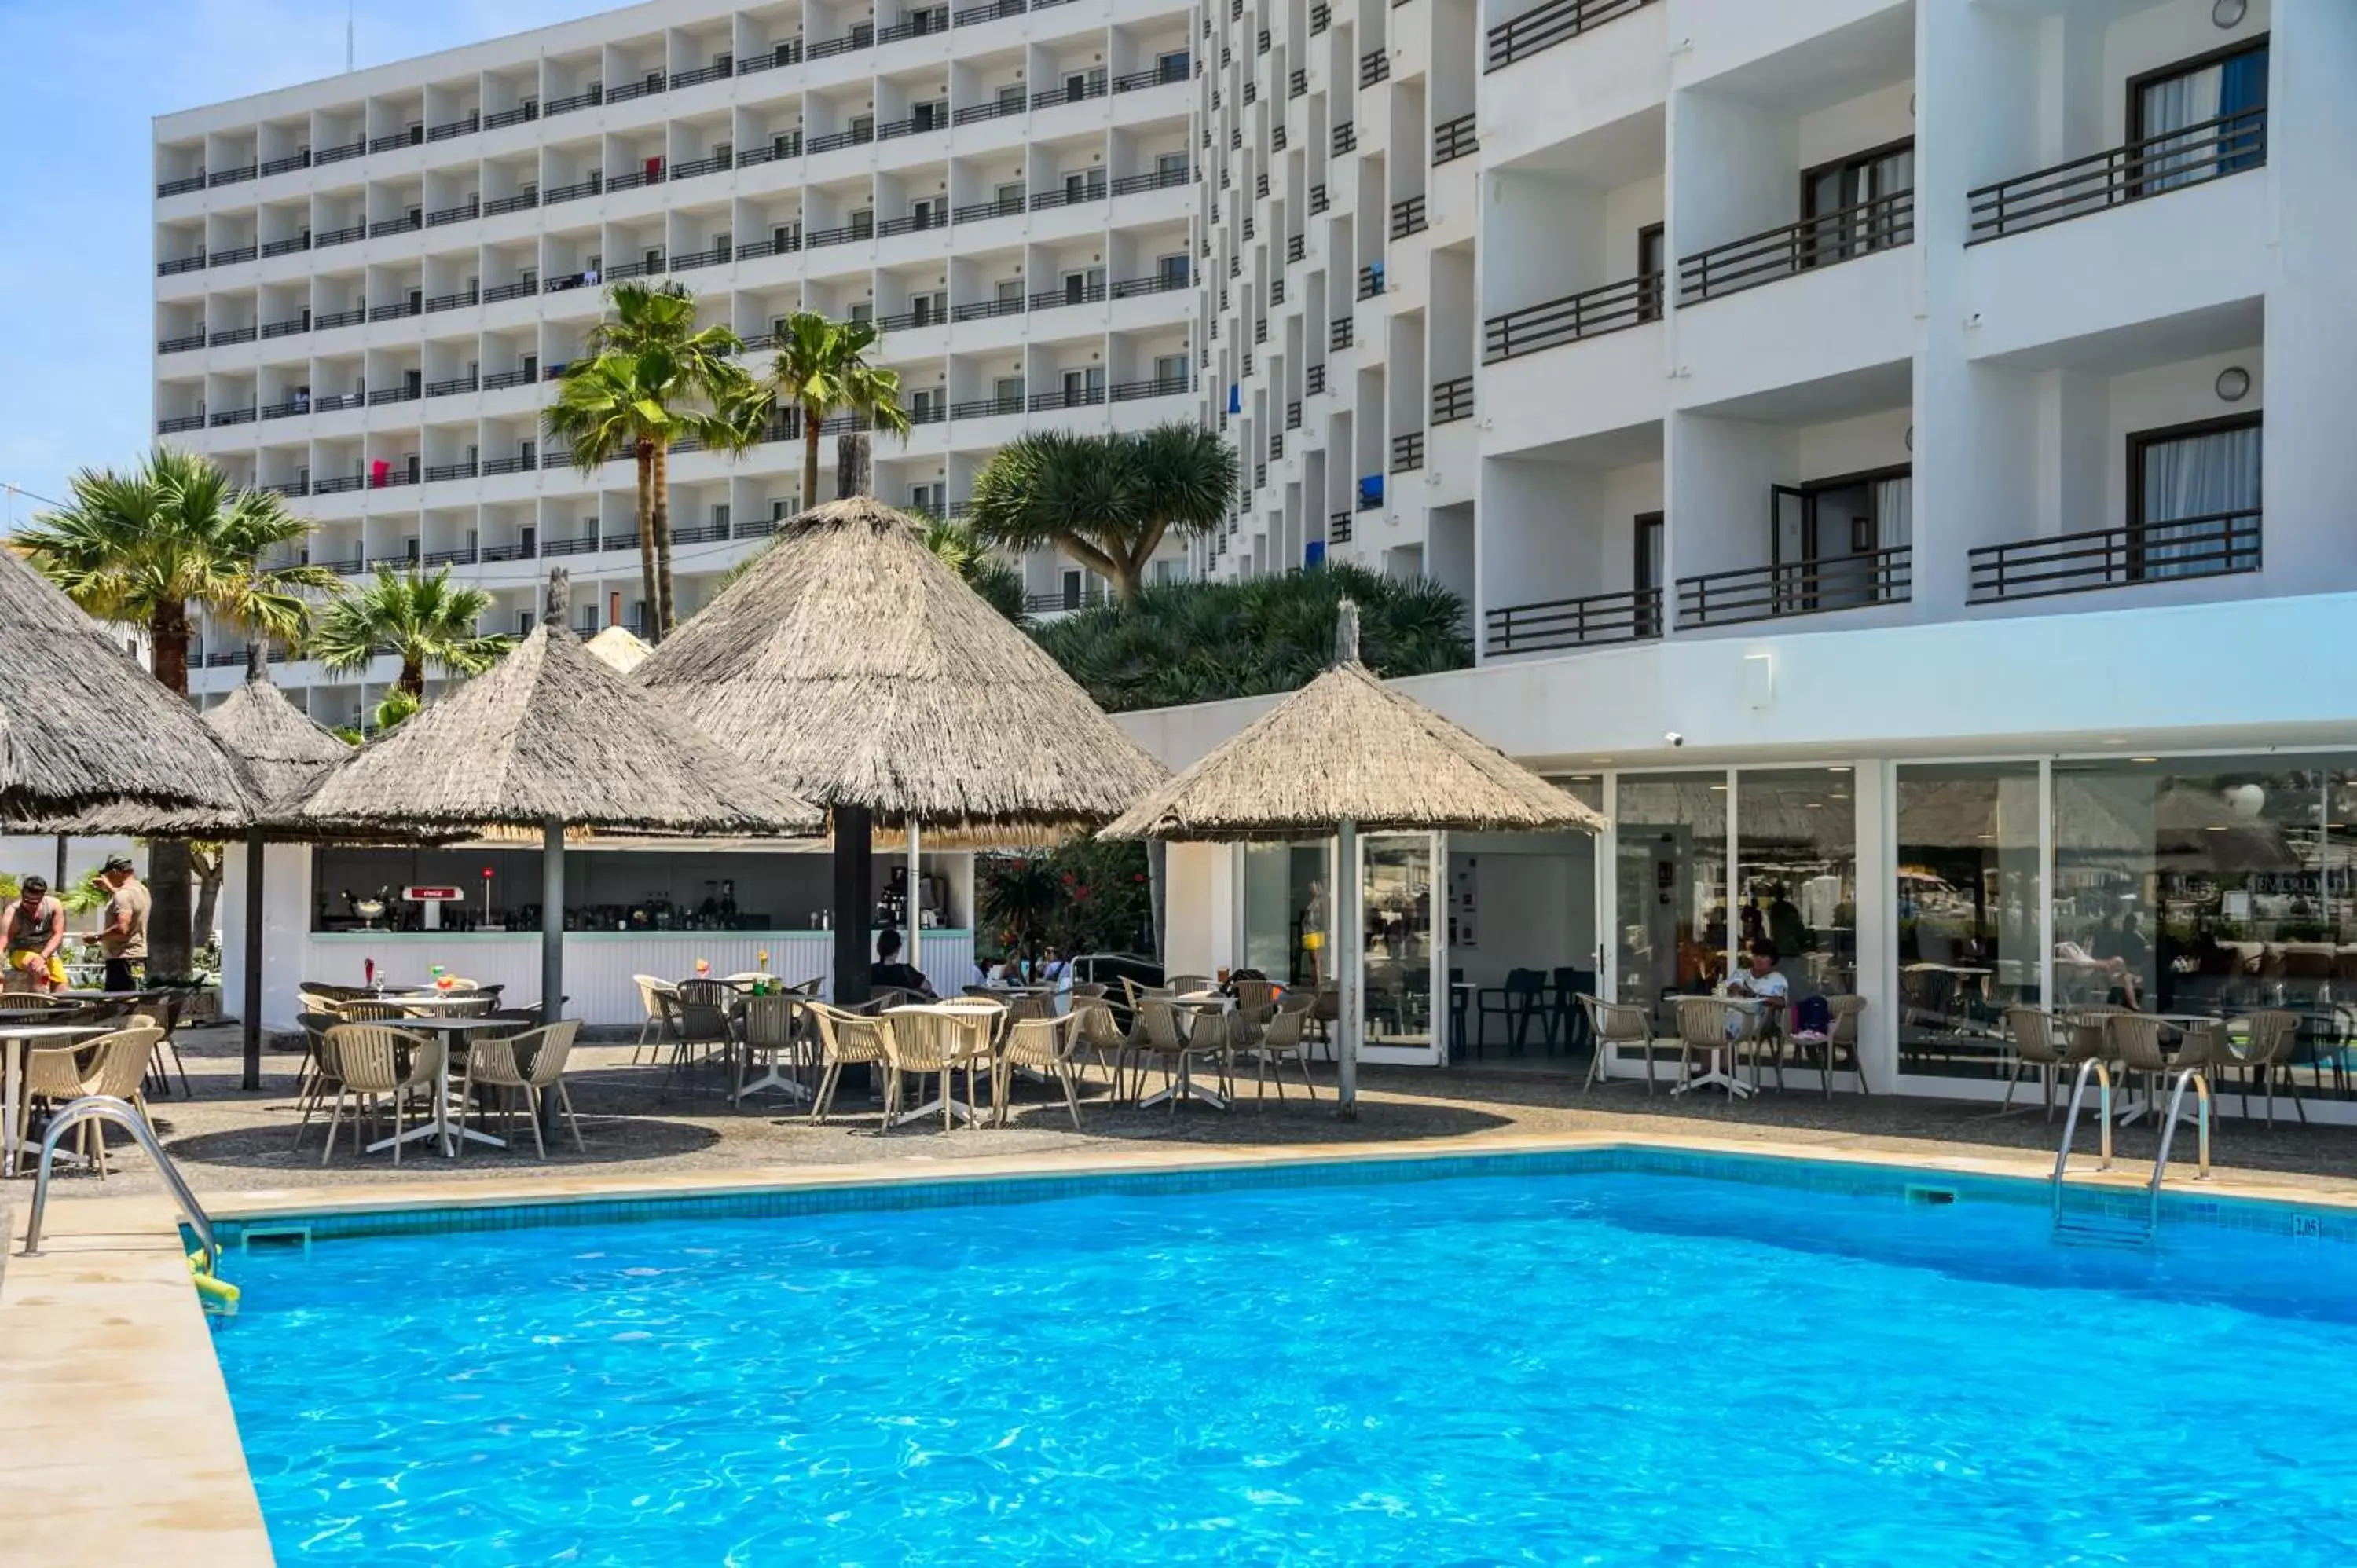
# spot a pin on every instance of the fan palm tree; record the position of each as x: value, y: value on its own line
x: 1107, y: 501
x: 140, y: 547
x: 822, y: 371
x: 652, y: 380
x: 423, y: 620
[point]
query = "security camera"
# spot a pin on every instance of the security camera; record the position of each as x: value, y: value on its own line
x: 1673, y: 738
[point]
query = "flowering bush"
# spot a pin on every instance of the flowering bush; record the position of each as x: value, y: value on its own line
x: 1085, y: 896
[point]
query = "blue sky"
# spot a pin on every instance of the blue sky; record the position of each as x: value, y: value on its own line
x: 85, y: 79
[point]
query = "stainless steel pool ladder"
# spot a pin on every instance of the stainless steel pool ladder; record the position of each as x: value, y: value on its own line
x: 107, y: 1108
x: 2090, y: 1226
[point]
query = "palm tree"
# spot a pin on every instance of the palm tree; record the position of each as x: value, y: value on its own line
x: 424, y: 620
x: 1107, y: 501
x: 140, y: 547
x: 651, y: 380
x: 822, y: 371
x: 954, y: 544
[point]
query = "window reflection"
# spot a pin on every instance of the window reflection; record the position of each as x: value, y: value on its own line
x: 1796, y: 887
x: 1670, y: 921
x: 1968, y: 894
x: 1285, y: 901
x: 1398, y: 916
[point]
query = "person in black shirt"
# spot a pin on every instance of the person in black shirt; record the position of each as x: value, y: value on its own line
x: 888, y: 969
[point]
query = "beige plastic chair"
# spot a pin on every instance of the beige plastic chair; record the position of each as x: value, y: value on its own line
x: 652, y: 988
x: 2039, y: 1042
x: 773, y: 1024
x: 1101, y: 1034
x: 54, y: 1074
x: 366, y: 1061
x: 1703, y: 1029
x: 1284, y: 1038
x: 1617, y: 1023
x: 2133, y: 1040
x: 1045, y: 1045
x: 1840, y: 1037
x: 1179, y: 1039
x: 497, y: 1063
x: 844, y: 1039
x: 2271, y: 1039
x: 929, y: 1042
x: 1180, y: 984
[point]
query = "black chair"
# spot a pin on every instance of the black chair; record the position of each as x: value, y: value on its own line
x: 1518, y: 1001
x: 1565, y: 1013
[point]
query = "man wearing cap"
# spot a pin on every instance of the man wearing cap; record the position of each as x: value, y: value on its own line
x: 125, y: 936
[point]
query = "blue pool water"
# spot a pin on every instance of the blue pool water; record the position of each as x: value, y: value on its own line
x: 1515, y: 1368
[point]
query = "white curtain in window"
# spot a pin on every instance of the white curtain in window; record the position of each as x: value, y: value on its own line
x: 2213, y: 478
x: 2172, y: 105
x: 1894, y: 513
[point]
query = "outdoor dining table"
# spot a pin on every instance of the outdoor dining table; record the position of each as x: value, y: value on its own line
x: 455, y: 1030
x: 1183, y: 1085
x: 954, y: 1007
x: 16, y: 1039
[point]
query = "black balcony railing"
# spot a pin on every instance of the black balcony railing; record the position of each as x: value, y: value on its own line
x: 1370, y: 280
x: 287, y: 488
x: 441, y: 471
x: 403, y: 394
x: 286, y: 247
x: 784, y: 244
x: 695, y: 168
x: 986, y: 408
x: 343, y: 236
x: 194, y: 263
x: 1322, y: 16
x: 391, y: 479
x: 491, y: 552
x: 652, y: 173
x: 859, y: 37
x: 1800, y: 587
x: 1454, y: 139
x: 500, y: 119
x: 1452, y: 400
x: 459, y: 301
x: 1001, y: 207
x: 1556, y: 21
x: 588, y: 97
x: 914, y: 222
x: 984, y: 309
x: 2151, y: 167
x: 1338, y: 528
x: 992, y: 12
x: 842, y: 235
x: 179, y: 422
x: 1090, y: 189
x: 911, y: 320
x: 578, y: 189
x: 1407, y: 217
x: 722, y: 67
x: 711, y: 257
x: 1346, y: 138
x: 182, y: 185
x: 1407, y: 452
x: 331, y: 488
x: 465, y: 124
x: 1090, y: 87
x: 575, y: 546
x: 785, y: 144
x: 1584, y: 622
x: 287, y: 165
x: 451, y: 386
x: 932, y: 411
x: 337, y: 154
x: 1824, y: 241
x: 396, y: 310
x: 1297, y: 247
x: 995, y: 109
x: 1340, y: 334
x: 1591, y: 313
x: 328, y: 320
x: 409, y: 137
x: 407, y: 223
x: 180, y: 344
x: 835, y: 140
x: 1155, y: 179
x: 521, y: 201
x: 2213, y: 545
x: 645, y: 267
x: 1163, y: 75
x: 1318, y: 201
x: 232, y: 335
x: 916, y: 25
x: 1374, y: 66
x: 645, y: 86
x: 336, y: 403
x: 1160, y: 386
x: 1072, y: 293
x: 231, y: 256
x: 784, y: 54
x: 287, y: 328
x: 1276, y: 446
x: 1068, y: 599
x: 1313, y: 381
x: 237, y: 176
x: 519, y: 463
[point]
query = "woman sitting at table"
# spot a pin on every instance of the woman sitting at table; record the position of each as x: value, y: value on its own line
x: 2116, y: 971
x: 888, y: 969
x: 31, y: 932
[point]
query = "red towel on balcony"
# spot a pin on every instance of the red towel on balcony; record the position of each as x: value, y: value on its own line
x: 654, y: 168
x: 377, y: 470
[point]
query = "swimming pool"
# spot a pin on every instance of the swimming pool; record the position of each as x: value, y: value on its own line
x: 1603, y: 1355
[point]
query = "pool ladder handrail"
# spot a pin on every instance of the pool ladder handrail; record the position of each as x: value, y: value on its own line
x: 2168, y: 1133
x: 2071, y: 1123
x: 107, y: 1108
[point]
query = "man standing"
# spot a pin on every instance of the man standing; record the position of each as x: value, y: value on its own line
x: 125, y: 936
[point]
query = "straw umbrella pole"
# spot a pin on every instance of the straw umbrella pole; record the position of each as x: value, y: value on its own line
x: 1347, y: 754
x: 852, y: 668
x: 550, y: 741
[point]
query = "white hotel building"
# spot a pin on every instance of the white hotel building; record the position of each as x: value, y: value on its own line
x: 1896, y: 453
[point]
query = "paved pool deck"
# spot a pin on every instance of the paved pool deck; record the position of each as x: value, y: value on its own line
x: 125, y: 1449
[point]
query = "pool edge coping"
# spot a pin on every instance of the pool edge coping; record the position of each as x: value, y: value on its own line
x: 117, y: 1263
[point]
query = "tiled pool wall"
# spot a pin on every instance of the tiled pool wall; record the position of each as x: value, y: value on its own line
x: 1858, y: 1179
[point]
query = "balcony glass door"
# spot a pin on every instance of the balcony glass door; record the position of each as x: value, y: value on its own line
x: 1852, y: 205
x: 2195, y: 499
x: 2201, y: 120
x: 1826, y: 539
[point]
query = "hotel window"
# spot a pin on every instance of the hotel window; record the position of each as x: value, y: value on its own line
x: 1671, y: 890
x: 2193, y: 499
x: 1827, y: 537
x: 1651, y: 256
x: 2200, y: 118
x: 1645, y: 571
x: 1858, y: 204
x: 1969, y: 894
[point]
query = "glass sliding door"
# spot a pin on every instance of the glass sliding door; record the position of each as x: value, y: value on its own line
x: 1796, y: 875
x: 1670, y: 935
x: 1971, y: 883
x: 1397, y: 891
x: 1283, y: 893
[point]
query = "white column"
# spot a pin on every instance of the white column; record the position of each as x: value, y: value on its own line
x: 915, y: 913
x: 1876, y: 795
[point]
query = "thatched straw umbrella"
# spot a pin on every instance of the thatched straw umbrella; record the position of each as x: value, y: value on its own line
x: 1346, y: 753
x: 550, y: 739
x: 850, y: 666
x: 620, y: 647
x: 82, y: 727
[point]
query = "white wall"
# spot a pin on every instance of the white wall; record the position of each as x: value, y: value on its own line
x: 1537, y: 903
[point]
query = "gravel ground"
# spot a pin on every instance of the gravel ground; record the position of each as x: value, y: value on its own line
x: 226, y: 1139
